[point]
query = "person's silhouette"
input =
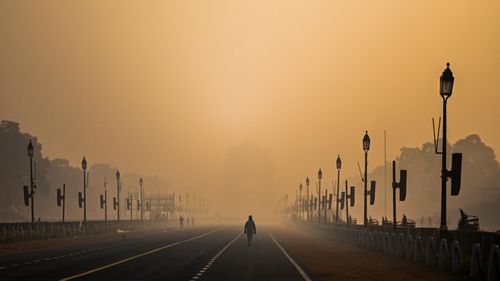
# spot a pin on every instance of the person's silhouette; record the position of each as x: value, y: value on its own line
x: 250, y: 230
x: 181, y: 221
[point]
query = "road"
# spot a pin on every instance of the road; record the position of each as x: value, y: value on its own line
x: 196, y: 253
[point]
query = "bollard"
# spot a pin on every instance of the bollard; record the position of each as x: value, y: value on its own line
x: 417, y: 249
x: 475, y: 261
x: 400, y: 252
x: 408, y: 247
x: 392, y: 244
x: 456, y: 257
x: 430, y: 255
x: 443, y: 254
x: 494, y: 264
x: 381, y: 241
x: 386, y: 244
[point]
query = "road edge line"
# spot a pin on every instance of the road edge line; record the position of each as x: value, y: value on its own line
x: 299, y: 269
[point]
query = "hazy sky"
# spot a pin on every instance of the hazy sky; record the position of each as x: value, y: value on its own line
x: 169, y: 87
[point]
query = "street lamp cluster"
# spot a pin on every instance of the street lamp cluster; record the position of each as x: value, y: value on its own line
x: 165, y: 207
x: 345, y: 199
x: 29, y: 193
x: 324, y: 202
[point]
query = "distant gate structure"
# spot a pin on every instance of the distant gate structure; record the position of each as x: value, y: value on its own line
x: 161, y: 207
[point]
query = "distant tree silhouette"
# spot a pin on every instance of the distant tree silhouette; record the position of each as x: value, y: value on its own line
x: 14, y: 171
x: 480, y: 192
x: 52, y: 174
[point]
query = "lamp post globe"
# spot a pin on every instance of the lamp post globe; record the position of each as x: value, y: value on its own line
x: 366, y: 142
x: 446, y: 82
x: 339, y: 163
x: 30, y: 149
x: 84, y: 163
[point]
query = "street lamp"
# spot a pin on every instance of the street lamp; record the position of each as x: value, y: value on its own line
x: 31, y: 194
x: 445, y: 90
x: 84, y: 199
x: 104, y: 202
x: 309, y: 205
x: 320, y: 176
x: 142, y: 198
x: 339, y: 167
x: 366, y: 148
x: 300, y: 200
x: 118, y: 195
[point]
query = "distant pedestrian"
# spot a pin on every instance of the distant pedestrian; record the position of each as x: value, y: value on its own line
x: 250, y: 230
x: 181, y: 221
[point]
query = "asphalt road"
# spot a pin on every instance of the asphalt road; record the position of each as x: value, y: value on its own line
x: 195, y: 253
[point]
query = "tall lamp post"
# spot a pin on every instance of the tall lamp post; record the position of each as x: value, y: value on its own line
x: 104, y: 202
x: 300, y: 201
x: 320, y: 176
x: 446, y: 88
x: 339, y: 166
x: 84, y: 199
x: 142, y: 199
x: 118, y: 195
x: 32, y: 183
x: 309, y: 205
x: 366, y: 148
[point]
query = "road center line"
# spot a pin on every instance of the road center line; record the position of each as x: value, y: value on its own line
x: 212, y: 260
x: 139, y: 255
x: 299, y: 269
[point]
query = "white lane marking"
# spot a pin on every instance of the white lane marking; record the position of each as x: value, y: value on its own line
x: 139, y: 255
x: 299, y: 269
x: 212, y: 260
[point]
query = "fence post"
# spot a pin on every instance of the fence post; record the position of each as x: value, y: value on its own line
x: 443, y: 254
x: 456, y: 257
x: 430, y: 255
x: 475, y: 261
x: 417, y: 249
x: 494, y: 264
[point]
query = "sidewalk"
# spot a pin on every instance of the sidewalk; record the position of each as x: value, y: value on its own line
x: 328, y: 259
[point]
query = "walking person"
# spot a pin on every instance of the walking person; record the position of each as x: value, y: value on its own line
x: 250, y: 230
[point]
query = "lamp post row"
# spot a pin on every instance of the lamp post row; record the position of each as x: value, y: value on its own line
x: 446, y: 89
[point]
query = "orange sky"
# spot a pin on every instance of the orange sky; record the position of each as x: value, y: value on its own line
x: 168, y: 87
